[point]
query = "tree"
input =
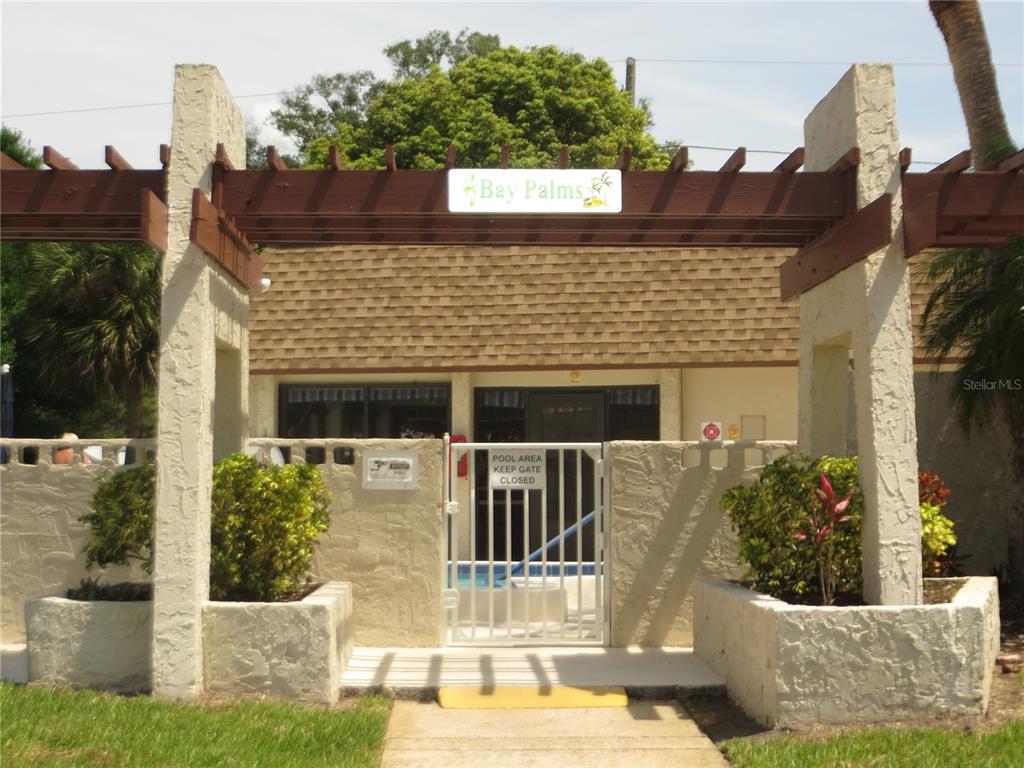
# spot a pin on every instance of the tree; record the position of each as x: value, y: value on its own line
x: 977, y: 306
x: 534, y: 100
x: 92, y: 321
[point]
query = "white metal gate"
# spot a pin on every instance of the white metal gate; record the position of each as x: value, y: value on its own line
x: 525, y: 546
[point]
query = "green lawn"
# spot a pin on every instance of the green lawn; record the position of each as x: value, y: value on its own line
x: 42, y: 728
x: 919, y: 748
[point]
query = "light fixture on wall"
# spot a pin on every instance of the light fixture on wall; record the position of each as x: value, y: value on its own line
x: 264, y: 283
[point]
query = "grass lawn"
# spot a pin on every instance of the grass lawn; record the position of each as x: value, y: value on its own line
x: 43, y: 728
x: 911, y: 748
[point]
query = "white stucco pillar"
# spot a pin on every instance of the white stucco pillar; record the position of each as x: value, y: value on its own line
x: 263, y: 406
x: 870, y: 304
x: 200, y: 309
x: 462, y: 424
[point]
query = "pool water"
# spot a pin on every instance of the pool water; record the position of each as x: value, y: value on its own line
x: 481, y: 573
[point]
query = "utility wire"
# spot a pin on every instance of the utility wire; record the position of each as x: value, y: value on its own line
x: 783, y: 62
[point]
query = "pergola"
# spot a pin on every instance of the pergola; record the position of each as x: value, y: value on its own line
x: 814, y: 213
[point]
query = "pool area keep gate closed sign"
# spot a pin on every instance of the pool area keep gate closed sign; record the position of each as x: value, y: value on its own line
x: 517, y: 469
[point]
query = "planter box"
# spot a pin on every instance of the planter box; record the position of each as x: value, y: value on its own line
x: 790, y: 664
x: 294, y: 650
x: 90, y: 644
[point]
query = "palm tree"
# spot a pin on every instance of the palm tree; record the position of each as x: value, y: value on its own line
x: 977, y: 307
x: 92, y: 320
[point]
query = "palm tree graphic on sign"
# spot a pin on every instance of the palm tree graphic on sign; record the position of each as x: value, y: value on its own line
x: 598, y: 185
x: 469, y: 189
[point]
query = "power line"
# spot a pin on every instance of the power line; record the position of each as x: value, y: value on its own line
x: 793, y: 62
x: 129, y: 106
x: 760, y: 151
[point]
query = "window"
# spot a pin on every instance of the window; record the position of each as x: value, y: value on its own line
x: 364, y: 411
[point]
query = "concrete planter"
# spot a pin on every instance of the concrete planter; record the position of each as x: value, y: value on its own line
x: 90, y: 644
x: 294, y: 650
x: 790, y: 664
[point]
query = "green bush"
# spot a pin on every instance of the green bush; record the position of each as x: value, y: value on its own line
x: 767, y: 515
x: 264, y: 523
x: 121, y: 522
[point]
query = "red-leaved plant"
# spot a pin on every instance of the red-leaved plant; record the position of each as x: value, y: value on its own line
x: 827, y: 511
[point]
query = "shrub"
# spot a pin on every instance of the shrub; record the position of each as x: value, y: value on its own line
x: 121, y: 522
x: 264, y: 523
x: 768, y: 516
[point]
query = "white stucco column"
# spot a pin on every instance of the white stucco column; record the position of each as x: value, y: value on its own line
x: 263, y: 406
x: 870, y: 304
x: 201, y: 309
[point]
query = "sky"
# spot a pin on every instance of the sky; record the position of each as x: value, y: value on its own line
x: 721, y: 74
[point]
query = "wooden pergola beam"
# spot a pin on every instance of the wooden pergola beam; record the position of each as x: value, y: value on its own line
x: 736, y: 161
x: 1012, y: 164
x: 850, y: 160
x: 153, y: 225
x: 55, y: 160
x: 968, y: 195
x: 625, y: 159
x: 165, y: 155
x: 959, y: 163
x: 680, y: 160
x: 920, y: 224
x: 563, y: 157
x: 8, y: 163
x: 274, y: 160
x: 849, y: 241
x: 792, y: 163
x: 215, y: 234
x: 114, y: 159
x: 506, y: 153
x: 334, y: 159
x: 453, y: 153
x: 905, y: 159
x: 221, y: 158
x: 389, y: 158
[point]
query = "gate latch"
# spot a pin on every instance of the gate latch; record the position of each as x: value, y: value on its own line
x: 452, y: 507
x: 450, y: 598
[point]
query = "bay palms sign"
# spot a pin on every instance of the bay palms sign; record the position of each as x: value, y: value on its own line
x: 517, y: 190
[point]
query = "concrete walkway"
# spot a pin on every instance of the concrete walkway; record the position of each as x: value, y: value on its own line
x: 420, y: 672
x: 646, y: 734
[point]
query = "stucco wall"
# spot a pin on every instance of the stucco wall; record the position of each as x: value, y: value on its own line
x: 294, y: 650
x: 727, y: 394
x: 387, y: 544
x: 790, y: 664
x: 41, y: 539
x: 666, y: 528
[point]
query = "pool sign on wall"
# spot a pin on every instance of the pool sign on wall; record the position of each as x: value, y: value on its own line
x: 534, y: 190
x: 517, y: 469
x: 390, y: 470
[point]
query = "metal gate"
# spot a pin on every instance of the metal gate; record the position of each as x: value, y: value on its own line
x: 525, y: 546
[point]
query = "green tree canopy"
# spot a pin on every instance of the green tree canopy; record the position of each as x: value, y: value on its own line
x: 535, y: 100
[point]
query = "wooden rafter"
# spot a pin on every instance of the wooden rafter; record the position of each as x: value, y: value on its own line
x: 334, y: 159
x: 165, y: 155
x: 1012, y: 164
x: 563, y: 157
x: 153, y: 223
x: 506, y: 152
x: 958, y: 163
x: 736, y: 161
x: 905, y: 156
x: 851, y: 240
x: 114, y: 159
x: 274, y: 160
x: 55, y: 160
x: 625, y: 159
x: 221, y: 158
x: 453, y: 153
x: 389, y: 158
x: 8, y: 163
x: 680, y: 160
x: 792, y: 163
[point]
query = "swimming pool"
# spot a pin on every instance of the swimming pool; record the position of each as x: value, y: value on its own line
x: 480, y: 572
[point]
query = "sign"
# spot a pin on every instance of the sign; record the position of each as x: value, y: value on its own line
x: 517, y: 469
x: 534, y: 190
x: 710, y: 431
x: 390, y: 470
